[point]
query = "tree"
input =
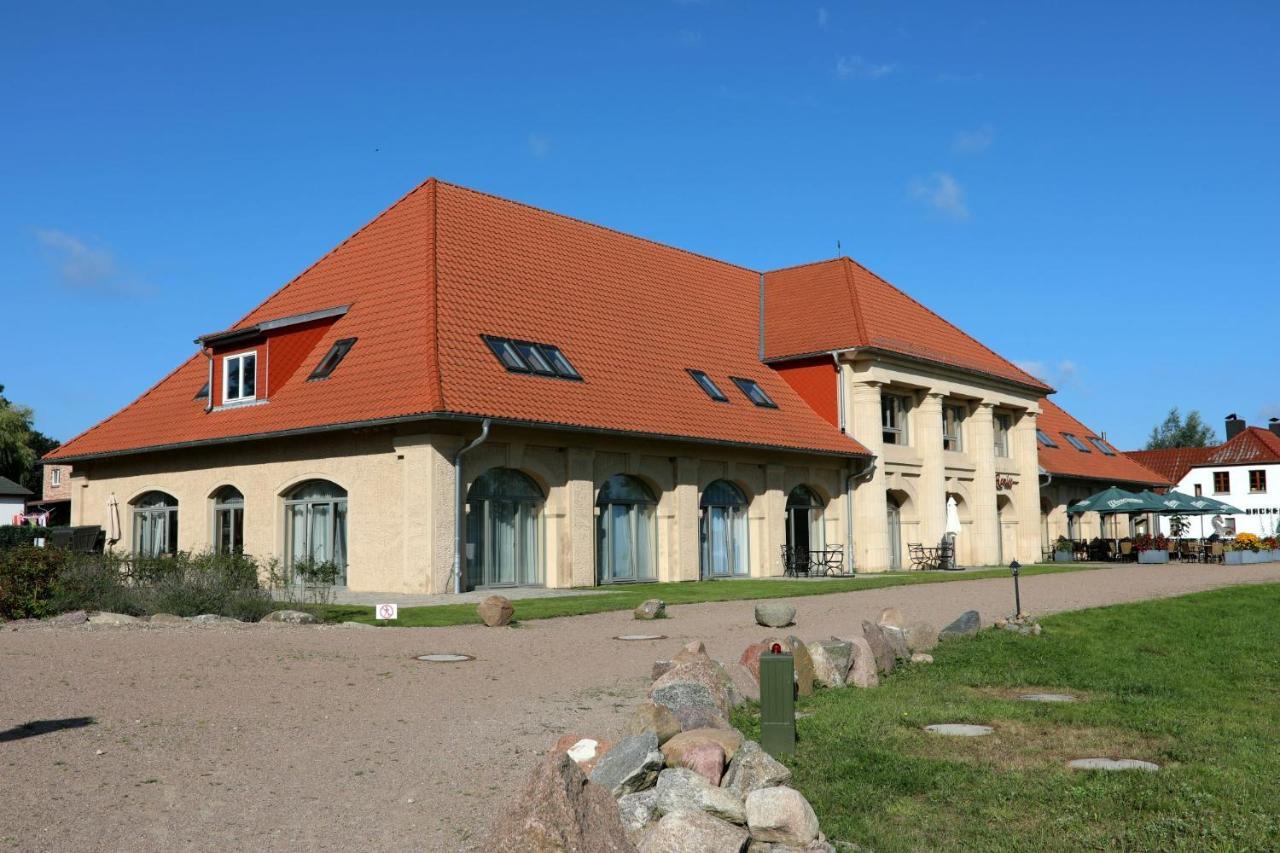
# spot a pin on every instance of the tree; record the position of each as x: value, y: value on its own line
x: 1174, y: 431
x: 21, y: 444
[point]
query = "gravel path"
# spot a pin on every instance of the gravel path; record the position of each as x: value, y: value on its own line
x: 281, y: 737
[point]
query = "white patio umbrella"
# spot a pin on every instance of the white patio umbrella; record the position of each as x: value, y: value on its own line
x: 113, y: 519
x: 953, y: 525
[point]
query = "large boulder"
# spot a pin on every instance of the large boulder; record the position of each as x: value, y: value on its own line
x: 706, y: 759
x: 214, y: 619
x: 885, y: 658
x: 920, y: 636
x: 71, y: 617
x: 691, y: 652
x: 817, y: 845
x: 747, y: 685
x: 753, y: 768
x: 863, y: 669
x: 730, y: 740
x: 694, y: 705
x: 585, y: 750
x: 559, y: 809
x: 113, y: 619
x: 291, y: 617
x: 781, y: 814
x: 660, y: 668
x: 654, y: 608
x: 892, y: 617
x: 693, y: 832
x: 631, y: 765
x: 775, y: 614
x: 751, y: 656
x: 803, y: 663
x: 496, y: 611
x: 965, y: 625
x: 638, y: 812
x: 166, y: 619
x: 680, y: 789
x: 831, y: 660
x: 897, y: 640
x: 696, y: 688
x: 651, y: 717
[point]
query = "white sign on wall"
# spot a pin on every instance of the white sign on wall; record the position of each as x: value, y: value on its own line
x: 387, y: 611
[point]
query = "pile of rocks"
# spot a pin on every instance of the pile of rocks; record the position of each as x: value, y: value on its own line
x: 106, y: 619
x: 1020, y: 624
x: 679, y: 778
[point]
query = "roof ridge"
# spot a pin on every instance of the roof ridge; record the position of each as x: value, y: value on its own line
x: 807, y: 264
x: 598, y: 226
x: 855, y: 303
x: 435, y: 286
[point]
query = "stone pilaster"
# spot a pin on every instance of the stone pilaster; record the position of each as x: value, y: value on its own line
x: 870, y: 519
x: 932, y: 487
x: 686, y: 552
x: 985, y: 548
x: 767, y: 561
x: 1026, y: 494
x: 580, y: 511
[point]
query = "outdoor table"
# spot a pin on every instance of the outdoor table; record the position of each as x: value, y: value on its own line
x: 827, y: 562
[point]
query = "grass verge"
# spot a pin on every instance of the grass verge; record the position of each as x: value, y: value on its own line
x: 627, y: 597
x: 1189, y: 683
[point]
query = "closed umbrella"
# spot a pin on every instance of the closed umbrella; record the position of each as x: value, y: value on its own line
x: 953, y: 526
x: 113, y: 519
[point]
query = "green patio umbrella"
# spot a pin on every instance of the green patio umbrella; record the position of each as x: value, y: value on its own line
x: 1116, y: 501
x: 1176, y: 503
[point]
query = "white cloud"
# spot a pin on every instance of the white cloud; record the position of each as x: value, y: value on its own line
x: 855, y: 67
x: 539, y: 145
x: 974, y: 141
x: 1062, y: 374
x: 82, y: 266
x: 943, y: 193
x: 823, y: 16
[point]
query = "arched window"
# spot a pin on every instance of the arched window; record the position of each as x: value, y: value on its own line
x: 315, y: 515
x: 155, y: 524
x: 626, y: 533
x: 228, y: 521
x: 804, y: 520
x: 504, y: 508
x: 724, y: 530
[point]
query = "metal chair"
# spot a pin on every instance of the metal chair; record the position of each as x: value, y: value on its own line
x: 920, y: 559
x: 795, y: 561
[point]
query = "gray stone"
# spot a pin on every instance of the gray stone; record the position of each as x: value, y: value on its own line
x: 892, y: 617
x: 921, y: 657
x: 167, y: 619
x: 214, y: 619
x: 752, y: 768
x: 632, y: 765
x: 841, y: 654
x: 693, y: 704
x: 693, y: 832
x: 885, y: 659
x: 496, y: 611
x: 959, y: 730
x: 693, y: 688
x: 729, y: 739
x: 654, y: 608
x: 817, y: 845
x: 1113, y: 764
x: 357, y: 625
x: 1047, y: 697
x: 651, y: 717
x: 681, y: 789
x: 965, y: 625
x: 781, y: 815
x: 743, y: 681
x: 825, y: 670
x: 661, y: 668
x: 291, y: 617
x: 559, y: 809
x: 71, y: 617
x: 921, y: 637
x: 897, y: 640
x: 638, y: 812
x: 775, y: 614
x: 113, y: 619
x: 803, y: 663
x: 862, y: 672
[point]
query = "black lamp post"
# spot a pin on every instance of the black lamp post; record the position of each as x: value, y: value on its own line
x: 1014, y: 567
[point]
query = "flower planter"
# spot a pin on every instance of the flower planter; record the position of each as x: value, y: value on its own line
x: 1234, y: 558
x: 1275, y: 556
x: 1062, y: 556
x: 1252, y: 557
x: 1153, y: 556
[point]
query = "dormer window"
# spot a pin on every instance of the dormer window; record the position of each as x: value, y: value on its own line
x: 239, y: 377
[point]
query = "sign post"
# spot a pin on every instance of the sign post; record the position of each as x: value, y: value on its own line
x: 777, y: 702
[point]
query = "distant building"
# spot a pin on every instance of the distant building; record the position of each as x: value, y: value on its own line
x: 54, y: 503
x: 13, y: 501
x: 1244, y: 471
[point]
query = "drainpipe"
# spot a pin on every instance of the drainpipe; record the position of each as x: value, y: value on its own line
x: 850, y: 481
x: 208, y: 400
x: 459, y: 503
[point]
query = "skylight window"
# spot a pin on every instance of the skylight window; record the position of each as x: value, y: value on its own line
x: 529, y: 357
x: 203, y: 393
x: 707, y: 384
x: 1075, y: 442
x: 754, y: 392
x: 332, y: 358
x: 1101, y: 445
x: 1044, y: 438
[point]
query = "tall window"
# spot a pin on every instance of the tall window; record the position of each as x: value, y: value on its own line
x: 1257, y: 481
x: 504, y: 507
x: 239, y: 377
x: 804, y: 520
x: 724, y: 530
x: 952, y: 419
x: 1221, y: 482
x: 893, y: 417
x: 228, y: 521
x: 55, y: 477
x: 1003, y: 423
x: 155, y: 524
x: 626, y: 531
x: 1199, y: 490
x: 315, y: 515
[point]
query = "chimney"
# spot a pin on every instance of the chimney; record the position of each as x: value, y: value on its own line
x: 1275, y: 425
x: 1235, y: 426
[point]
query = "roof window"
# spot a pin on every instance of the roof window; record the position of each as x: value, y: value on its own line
x: 529, y: 357
x: 754, y: 392
x: 203, y: 393
x: 1101, y: 445
x: 1075, y: 442
x: 332, y: 358
x: 706, y: 383
x: 1044, y: 438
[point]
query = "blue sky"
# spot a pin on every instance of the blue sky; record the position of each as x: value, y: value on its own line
x: 1089, y: 188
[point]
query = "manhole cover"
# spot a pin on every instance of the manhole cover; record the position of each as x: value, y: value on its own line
x: 1111, y: 764
x: 959, y: 730
x: 444, y: 657
x: 1047, y: 697
x: 634, y: 637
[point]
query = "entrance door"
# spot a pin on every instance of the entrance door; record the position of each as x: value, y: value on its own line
x: 895, y: 534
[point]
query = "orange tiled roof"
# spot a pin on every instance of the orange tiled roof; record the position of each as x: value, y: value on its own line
x: 1172, y: 463
x: 1066, y: 461
x: 840, y: 304
x: 444, y: 265
x: 1254, y: 445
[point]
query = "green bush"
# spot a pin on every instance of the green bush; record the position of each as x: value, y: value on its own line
x: 28, y: 581
x: 15, y: 536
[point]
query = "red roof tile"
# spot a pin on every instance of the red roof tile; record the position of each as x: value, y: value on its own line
x: 445, y: 265
x: 1172, y: 463
x: 1066, y: 461
x: 840, y: 304
x: 1254, y: 445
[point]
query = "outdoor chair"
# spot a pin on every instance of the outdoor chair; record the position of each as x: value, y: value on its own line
x: 1215, y: 553
x: 795, y: 561
x: 919, y: 557
x: 1126, y: 552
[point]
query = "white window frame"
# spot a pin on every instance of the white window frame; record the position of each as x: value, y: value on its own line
x: 238, y: 359
x: 55, y: 477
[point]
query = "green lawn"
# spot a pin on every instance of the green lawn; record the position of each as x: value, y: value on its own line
x: 627, y: 597
x: 1191, y: 683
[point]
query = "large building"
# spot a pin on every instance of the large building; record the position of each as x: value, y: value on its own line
x: 473, y: 392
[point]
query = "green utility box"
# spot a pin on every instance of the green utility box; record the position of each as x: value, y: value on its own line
x: 778, y: 703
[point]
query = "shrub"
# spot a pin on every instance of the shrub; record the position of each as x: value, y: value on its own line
x: 14, y: 535
x: 28, y: 578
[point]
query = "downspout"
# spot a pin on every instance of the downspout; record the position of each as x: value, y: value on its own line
x: 850, y: 481
x: 459, y: 503
x: 208, y: 400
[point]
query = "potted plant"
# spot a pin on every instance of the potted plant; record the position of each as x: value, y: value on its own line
x: 1270, y: 549
x: 1243, y: 549
x: 1152, y: 549
x: 1063, y: 550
